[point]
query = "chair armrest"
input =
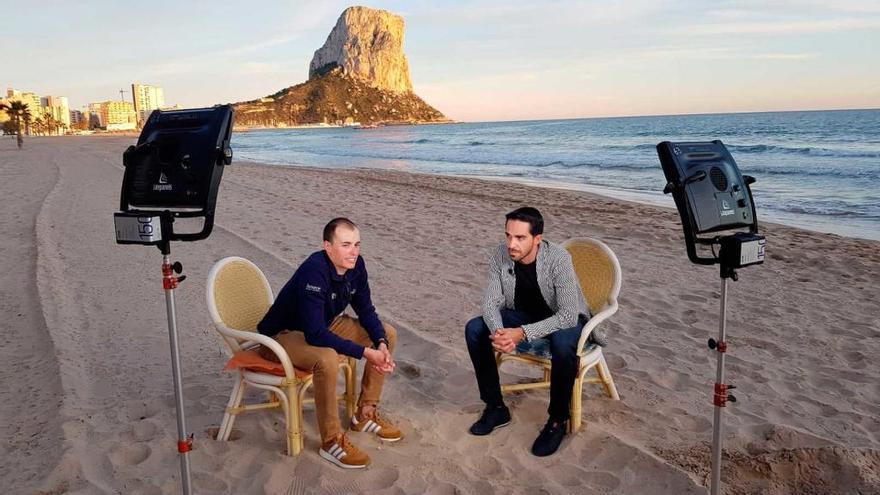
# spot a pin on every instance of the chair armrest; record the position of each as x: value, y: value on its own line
x: 241, y: 336
x: 598, y: 318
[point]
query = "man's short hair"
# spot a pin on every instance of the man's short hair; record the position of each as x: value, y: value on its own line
x: 330, y: 228
x: 529, y: 215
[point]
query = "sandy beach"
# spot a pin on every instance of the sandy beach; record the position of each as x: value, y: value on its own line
x: 87, y: 404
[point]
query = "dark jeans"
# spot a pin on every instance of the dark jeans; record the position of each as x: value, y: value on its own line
x: 563, y: 344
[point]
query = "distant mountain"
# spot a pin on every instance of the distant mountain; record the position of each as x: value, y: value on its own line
x: 360, y: 75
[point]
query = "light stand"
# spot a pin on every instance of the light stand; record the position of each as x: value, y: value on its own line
x: 174, y: 172
x: 184, y: 441
x: 721, y: 396
x: 712, y: 196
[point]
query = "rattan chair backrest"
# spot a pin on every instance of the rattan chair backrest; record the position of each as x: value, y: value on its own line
x: 597, y: 269
x: 242, y: 294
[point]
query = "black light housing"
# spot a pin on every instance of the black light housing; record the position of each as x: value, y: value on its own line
x: 174, y: 171
x: 711, y: 196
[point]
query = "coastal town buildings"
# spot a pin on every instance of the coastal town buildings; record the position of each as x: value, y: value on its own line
x: 53, y: 115
x: 58, y: 108
x: 146, y: 99
x: 39, y: 108
x: 117, y: 115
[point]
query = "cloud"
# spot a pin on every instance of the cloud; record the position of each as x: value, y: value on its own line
x: 264, y: 69
x: 777, y: 28
x: 316, y: 16
x: 784, y: 56
x: 713, y: 53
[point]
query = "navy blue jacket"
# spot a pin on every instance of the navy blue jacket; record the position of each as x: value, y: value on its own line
x: 315, y: 295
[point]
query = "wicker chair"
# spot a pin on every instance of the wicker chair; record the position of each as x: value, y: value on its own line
x: 238, y: 297
x: 598, y: 272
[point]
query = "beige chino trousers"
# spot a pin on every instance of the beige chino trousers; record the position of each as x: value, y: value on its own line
x: 323, y: 362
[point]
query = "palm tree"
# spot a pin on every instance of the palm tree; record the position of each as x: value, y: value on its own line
x: 18, y: 112
x: 50, y: 123
x: 36, y: 126
x: 4, y: 107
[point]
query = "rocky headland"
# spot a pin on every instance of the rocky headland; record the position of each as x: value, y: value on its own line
x: 359, y: 76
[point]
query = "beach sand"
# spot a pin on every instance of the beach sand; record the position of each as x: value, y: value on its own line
x: 87, y: 404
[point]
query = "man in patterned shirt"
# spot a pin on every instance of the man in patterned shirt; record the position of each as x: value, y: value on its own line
x: 533, y: 293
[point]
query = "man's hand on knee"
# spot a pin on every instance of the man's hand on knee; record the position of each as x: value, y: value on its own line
x: 505, y: 339
x: 380, y: 359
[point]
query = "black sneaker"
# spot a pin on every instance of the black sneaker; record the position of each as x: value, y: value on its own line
x: 550, y: 438
x: 493, y: 417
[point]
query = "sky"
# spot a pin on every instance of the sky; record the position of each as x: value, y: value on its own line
x: 472, y: 60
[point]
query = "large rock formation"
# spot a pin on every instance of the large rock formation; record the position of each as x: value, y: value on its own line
x: 367, y: 44
x: 359, y: 75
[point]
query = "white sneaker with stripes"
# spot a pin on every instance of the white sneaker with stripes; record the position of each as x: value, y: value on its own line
x: 344, y: 454
x: 381, y: 427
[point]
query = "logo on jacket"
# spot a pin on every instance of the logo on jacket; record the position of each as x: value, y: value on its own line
x: 313, y: 288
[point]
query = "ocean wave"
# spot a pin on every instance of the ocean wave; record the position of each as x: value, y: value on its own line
x: 415, y: 141
x: 808, y: 151
x: 537, y: 163
x: 548, y: 164
x: 470, y: 161
x: 827, y: 210
x: 816, y: 172
x: 630, y: 147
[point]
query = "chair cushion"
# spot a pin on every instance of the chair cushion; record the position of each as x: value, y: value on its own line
x: 541, y: 348
x: 251, y: 360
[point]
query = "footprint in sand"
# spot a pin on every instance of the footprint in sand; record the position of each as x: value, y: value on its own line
x: 690, y: 316
x: 856, y: 360
x: 658, y: 351
x: 129, y: 454
x: 409, y: 370
x: 693, y: 298
x: 144, y: 410
x: 488, y: 466
x: 211, y: 433
x: 442, y: 489
x: 600, y: 480
x: 372, y: 480
x: 205, y: 482
x: 688, y: 422
x: 615, y: 361
x: 144, y: 431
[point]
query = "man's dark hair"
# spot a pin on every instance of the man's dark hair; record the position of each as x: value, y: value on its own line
x: 530, y: 215
x: 330, y: 228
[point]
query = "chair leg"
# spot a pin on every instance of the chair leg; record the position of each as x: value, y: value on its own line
x: 605, y: 376
x: 229, y: 417
x: 294, y: 425
x: 300, y: 397
x: 350, y: 386
x: 576, y: 398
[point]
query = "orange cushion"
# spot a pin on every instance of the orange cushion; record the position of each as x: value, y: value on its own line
x: 252, y: 361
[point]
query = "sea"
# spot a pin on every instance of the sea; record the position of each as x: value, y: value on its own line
x: 818, y: 170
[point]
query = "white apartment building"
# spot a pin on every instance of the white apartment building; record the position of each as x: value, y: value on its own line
x: 146, y: 99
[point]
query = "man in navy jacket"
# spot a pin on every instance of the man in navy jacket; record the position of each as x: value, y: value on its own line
x: 307, y: 320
